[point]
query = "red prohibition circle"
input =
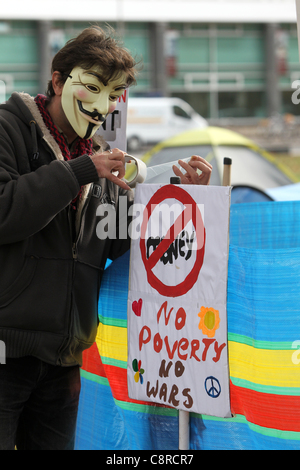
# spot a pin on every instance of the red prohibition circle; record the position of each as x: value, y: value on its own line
x: 172, y: 192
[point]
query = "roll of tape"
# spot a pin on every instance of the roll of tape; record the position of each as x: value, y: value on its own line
x: 141, y: 173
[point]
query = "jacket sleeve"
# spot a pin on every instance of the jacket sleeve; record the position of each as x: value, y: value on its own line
x: 29, y: 202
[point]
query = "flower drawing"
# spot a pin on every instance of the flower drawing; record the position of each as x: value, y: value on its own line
x: 137, y: 367
x: 209, y: 321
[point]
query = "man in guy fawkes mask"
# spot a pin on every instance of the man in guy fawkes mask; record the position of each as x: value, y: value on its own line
x: 54, y: 173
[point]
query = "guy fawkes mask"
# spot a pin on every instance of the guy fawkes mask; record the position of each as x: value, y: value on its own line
x: 87, y: 100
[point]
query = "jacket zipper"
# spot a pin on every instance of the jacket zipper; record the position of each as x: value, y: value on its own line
x: 75, y: 258
x: 74, y: 251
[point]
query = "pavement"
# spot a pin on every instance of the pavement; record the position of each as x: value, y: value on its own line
x: 279, y: 135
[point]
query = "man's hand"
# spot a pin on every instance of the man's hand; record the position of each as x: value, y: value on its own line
x: 109, y: 162
x: 192, y: 176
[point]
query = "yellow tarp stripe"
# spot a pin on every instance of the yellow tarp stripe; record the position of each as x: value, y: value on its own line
x: 263, y: 366
x: 112, y: 342
x: 259, y: 366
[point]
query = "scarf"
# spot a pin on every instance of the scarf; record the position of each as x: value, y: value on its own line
x: 81, y: 146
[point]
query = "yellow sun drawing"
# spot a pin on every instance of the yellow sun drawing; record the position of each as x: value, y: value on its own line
x: 210, y: 321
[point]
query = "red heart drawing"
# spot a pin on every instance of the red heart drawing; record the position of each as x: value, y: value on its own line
x: 137, y: 307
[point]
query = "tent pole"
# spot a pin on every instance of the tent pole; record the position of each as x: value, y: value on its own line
x: 227, y: 172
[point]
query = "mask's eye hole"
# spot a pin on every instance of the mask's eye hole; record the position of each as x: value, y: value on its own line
x: 92, y: 88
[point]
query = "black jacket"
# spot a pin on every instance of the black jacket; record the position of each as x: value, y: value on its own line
x: 50, y: 265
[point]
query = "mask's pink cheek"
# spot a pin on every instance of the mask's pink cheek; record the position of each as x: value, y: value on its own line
x: 82, y: 94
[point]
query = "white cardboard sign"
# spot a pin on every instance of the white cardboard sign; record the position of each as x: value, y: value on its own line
x: 115, y: 127
x: 177, y: 317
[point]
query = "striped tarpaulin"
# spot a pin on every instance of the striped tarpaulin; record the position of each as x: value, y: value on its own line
x: 263, y: 326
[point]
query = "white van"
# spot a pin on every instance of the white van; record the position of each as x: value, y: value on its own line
x: 151, y: 120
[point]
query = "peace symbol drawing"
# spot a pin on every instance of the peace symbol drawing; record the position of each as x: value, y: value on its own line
x: 212, y: 387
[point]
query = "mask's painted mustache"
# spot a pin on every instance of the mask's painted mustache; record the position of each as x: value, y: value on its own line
x: 93, y: 115
x: 89, y: 130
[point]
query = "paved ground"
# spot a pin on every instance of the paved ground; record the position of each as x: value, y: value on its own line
x: 280, y: 134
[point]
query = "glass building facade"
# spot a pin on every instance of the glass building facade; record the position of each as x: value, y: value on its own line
x: 222, y: 70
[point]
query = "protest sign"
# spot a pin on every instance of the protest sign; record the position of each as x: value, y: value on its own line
x: 114, y: 128
x: 177, y: 318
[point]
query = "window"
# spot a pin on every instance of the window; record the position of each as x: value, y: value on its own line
x: 180, y: 112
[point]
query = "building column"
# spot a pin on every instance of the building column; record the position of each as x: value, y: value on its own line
x: 273, y: 92
x: 44, y: 28
x: 159, y: 80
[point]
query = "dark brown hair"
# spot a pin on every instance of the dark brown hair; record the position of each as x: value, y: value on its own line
x: 93, y: 47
